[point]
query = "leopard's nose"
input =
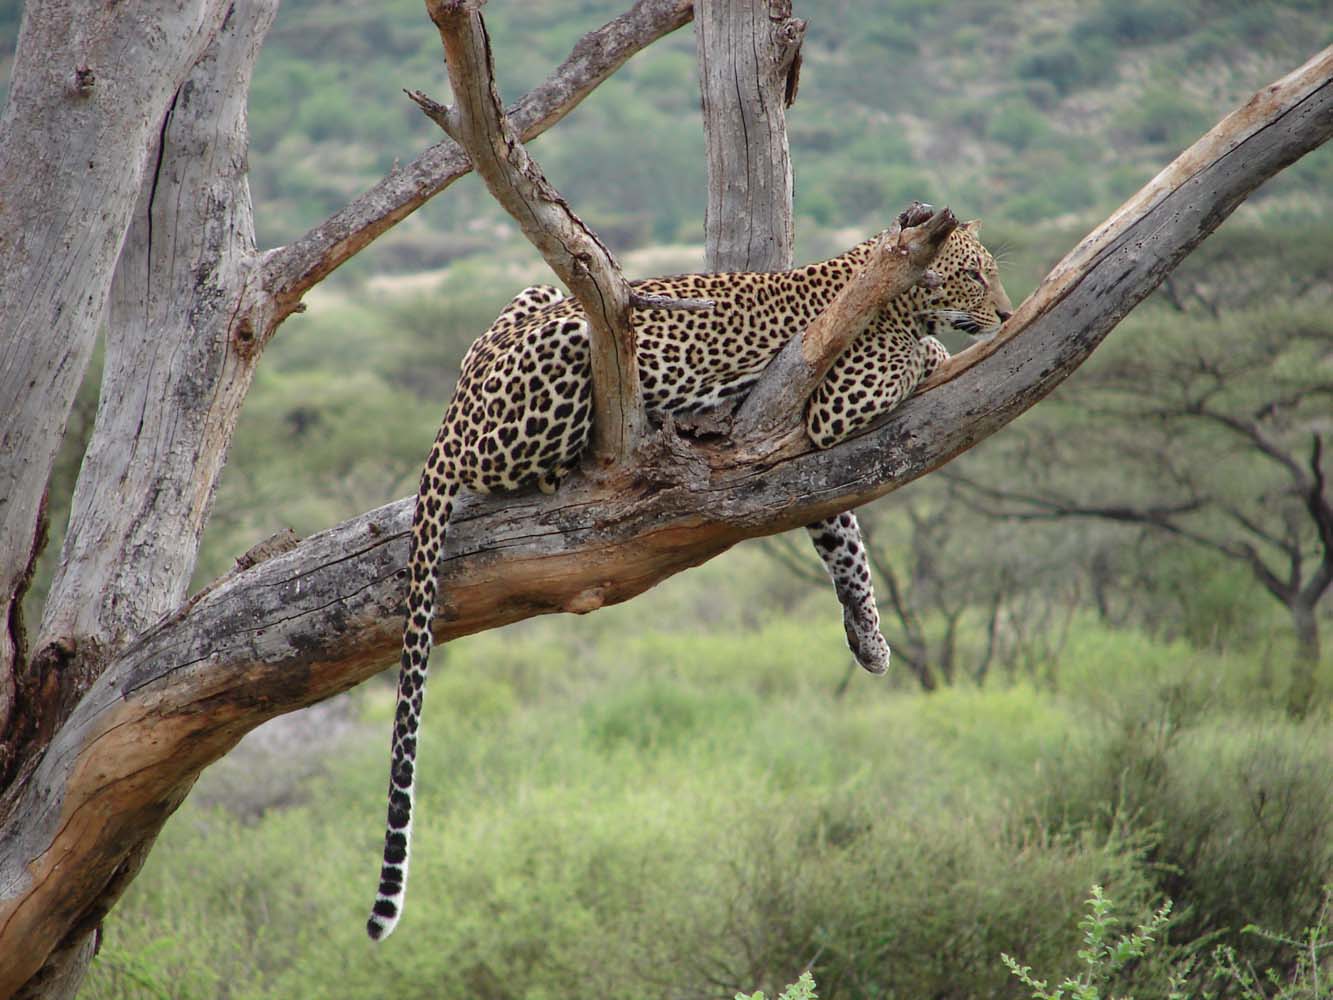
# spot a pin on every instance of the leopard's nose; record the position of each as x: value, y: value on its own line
x: 1004, y: 314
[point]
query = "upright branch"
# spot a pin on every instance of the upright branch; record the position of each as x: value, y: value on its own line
x: 477, y: 123
x: 291, y: 271
x: 749, y: 64
x: 898, y: 261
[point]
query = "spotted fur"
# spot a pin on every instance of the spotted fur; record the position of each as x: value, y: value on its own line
x: 522, y: 414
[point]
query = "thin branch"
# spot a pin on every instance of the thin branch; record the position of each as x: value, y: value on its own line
x: 477, y: 122
x: 1159, y: 518
x: 1049, y: 507
x: 1251, y: 432
x: 897, y: 262
x: 288, y: 272
x: 1286, y: 546
x: 796, y: 563
x: 1320, y: 505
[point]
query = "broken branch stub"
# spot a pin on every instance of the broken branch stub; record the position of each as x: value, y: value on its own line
x: 477, y: 122
x: 898, y: 261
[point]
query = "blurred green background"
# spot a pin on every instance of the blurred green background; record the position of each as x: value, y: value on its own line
x: 1097, y: 681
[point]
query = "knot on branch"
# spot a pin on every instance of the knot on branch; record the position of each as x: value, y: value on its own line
x: 666, y: 459
x: 916, y: 214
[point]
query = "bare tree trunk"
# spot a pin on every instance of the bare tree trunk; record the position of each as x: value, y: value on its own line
x: 1305, y: 621
x: 171, y: 394
x: 89, y: 94
x: 748, y: 51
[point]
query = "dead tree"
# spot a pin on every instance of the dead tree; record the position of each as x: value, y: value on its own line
x: 129, y: 689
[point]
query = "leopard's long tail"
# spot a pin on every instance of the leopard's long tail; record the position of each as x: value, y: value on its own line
x: 435, y: 502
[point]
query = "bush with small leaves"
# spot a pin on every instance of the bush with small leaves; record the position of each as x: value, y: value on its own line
x: 1104, y: 955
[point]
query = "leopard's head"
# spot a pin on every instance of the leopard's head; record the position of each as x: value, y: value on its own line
x: 968, y: 296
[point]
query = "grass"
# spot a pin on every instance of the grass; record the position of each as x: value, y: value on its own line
x: 693, y: 814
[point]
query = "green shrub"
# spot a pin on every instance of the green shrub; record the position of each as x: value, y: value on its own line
x: 802, y: 989
x: 1104, y: 954
x: 1068, y: 66
x: 1238, y: 808
x: 1017, y: 125
x: 1163, y: 116
x: 1136, y: 22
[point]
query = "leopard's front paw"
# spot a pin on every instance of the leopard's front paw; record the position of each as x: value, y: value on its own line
x: 864, y: 640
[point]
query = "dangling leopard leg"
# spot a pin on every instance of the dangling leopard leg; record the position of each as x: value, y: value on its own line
x: 838, y: 542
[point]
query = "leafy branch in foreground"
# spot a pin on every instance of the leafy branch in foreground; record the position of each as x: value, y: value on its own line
x: 1311, y: 977
x: 1102, y: 955
x: 802, y: 989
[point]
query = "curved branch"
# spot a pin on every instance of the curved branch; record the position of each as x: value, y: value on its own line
x: 573, y: 251
x: 323, y: 617
x: 291, y: 271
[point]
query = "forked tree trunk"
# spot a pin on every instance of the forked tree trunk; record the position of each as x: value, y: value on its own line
x: 90, y: 89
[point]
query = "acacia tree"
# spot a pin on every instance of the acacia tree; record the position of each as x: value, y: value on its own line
x: 122, y: 188
x: 1215, y: 437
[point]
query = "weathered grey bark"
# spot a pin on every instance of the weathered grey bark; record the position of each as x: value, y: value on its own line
x: 319, y: 619
x: 177, y: 369
x: 179, y: 361
x: 192, y: 307
x: 89, y: 92
x: 749, y: 57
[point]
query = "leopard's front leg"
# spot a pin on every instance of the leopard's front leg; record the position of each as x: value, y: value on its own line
x: 838, y: 542
x: 876, y: 373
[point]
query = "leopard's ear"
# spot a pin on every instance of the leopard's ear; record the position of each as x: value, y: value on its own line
x: 972, y: 226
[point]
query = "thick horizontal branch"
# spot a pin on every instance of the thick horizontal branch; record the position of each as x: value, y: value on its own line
x: 325, y: 616
x: 897, y: 262
x: 1296, y: 108
x: 478, y: 123
x: 289, y: 272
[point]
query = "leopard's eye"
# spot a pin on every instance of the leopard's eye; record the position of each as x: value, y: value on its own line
x: 976, y: 276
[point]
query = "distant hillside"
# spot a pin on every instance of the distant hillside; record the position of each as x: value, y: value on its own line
x: 1024, y: 111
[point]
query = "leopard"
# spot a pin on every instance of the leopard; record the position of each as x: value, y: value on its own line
x: 521, y: 417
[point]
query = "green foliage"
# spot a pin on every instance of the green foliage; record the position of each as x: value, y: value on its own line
x: 704, y: 794
x: 1238, y: 807
x: 1066, y: 65
x: 1136, y: 22
x: 1224, y: 974
x: 1017, y: 125
x: 1311, y: 965
x: 802, y: 989
x: 1103, y: 955
x: 1163, y: 116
